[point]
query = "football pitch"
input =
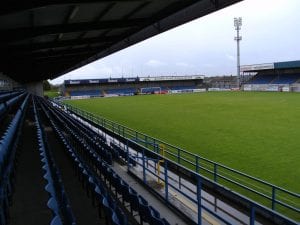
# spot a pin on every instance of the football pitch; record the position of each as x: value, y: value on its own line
x: 256, y: 133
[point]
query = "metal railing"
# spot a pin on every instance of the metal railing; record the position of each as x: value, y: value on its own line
x: 274, y: 197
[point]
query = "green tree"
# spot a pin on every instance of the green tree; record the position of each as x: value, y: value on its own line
x: 46, y: 85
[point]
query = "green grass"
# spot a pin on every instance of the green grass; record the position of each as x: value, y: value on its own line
x: 51, y: 94
x: 256, y: 133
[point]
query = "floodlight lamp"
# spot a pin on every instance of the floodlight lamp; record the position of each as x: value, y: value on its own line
x: 237, y: 22
x: 240, y: 21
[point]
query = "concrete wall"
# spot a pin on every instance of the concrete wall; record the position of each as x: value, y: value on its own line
x: 6, y: 83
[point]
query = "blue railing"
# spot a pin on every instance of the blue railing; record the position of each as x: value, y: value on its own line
x: 272, y: 196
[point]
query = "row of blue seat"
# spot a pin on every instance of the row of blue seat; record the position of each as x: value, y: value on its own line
x: 4, y: 96
x: 121, y: 153
x: 92, y: 139
x: 122, y: 91
x: 8, y: 146
x: 85, y: 93
x: 9, y: 102
x: 96, y: 190
x: 117, y: 184
x: 274, y: 79
x: 58, y: 201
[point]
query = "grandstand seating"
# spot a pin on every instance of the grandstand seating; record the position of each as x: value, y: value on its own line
x: 8, y: 145
x: 262, y: 79
x: 85, y: 93
x: 89, y: 159
x: 274, y: 79
x: 123, y: 91
x: 286, y: 79
x: 182, y: 87
x: 58, y: 201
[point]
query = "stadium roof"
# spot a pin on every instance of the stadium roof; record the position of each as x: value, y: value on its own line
x: 271, y: 66
x: 42, y: 39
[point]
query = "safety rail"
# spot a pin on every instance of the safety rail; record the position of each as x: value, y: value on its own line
x: 274, y: 197
x: 8, y: 147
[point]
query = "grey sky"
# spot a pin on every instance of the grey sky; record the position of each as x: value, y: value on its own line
x: 270, y: 31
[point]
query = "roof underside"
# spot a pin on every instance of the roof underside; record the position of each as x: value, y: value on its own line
x: 43, y: 39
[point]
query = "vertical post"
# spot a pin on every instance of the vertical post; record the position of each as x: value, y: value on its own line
x: 127, y: 149
x: 252, y: 215
x: 179, y: 181
x: 166, y: 182
x: 144, y: 167
x: 146, y: 141
x: 215, y: 172
x: 273, y: 197
x: 178, y: 155
x: 199, y: 187
x: 197, y: 164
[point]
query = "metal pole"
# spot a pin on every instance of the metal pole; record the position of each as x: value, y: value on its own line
x: 238, y: 57
x: 238, y: 38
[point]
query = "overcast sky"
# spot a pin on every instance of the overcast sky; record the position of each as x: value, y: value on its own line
x: 270, y: 32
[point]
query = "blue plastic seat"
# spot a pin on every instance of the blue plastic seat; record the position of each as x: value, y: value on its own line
x: 108, y: 211
x: 121, y: 216
x: 115, y: 220
x: 56, y: 221
x: 133, y: 200
x: 144, y: 210
x: 155, y: 217
x: 165, y: 221
x: 125, y: 191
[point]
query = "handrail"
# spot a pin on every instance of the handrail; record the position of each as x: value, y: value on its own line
x: 273, y: 194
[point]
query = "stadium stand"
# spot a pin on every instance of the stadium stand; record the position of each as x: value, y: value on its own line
x: 66, y: 147
x: 8, y: 146
x: 130, y: 86
x: 280, y: 76
x: 58, y: 201
x: 262, y: 79
x: 183, y: 87
x: 286, y: 79
x: 90, y: 158
x: 85, y: 93
x: 123, y: 91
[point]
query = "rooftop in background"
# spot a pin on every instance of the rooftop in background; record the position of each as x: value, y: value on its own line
x: 45, y: 39
x: 271, y: 66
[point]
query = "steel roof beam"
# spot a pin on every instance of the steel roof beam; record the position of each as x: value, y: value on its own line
x: 11, y: 35
x: 58, y: 44
x: 14, y: 6
x: 53, y: 54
